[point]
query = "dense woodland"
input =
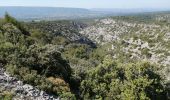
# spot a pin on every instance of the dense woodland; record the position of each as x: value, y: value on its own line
x: 56, y: 58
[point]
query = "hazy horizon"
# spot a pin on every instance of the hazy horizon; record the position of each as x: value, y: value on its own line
x: 90, y: 4
x: 48, y: 9
x: 159, y: 9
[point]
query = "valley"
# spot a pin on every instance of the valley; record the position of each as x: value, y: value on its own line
x: 118, y: 57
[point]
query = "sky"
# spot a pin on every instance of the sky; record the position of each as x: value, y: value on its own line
x: 90, y: 3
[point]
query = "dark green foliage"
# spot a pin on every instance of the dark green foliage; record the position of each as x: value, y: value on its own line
x: 47, y: 60
x: 133, y: 81
x: 31, y: 61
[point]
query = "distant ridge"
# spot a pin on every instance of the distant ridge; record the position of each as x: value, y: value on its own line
x: 62, y: 13
x: 47, y: 12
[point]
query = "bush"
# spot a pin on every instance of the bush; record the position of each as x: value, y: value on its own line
x: 60, y: 85
x: 68, y: 96
x: 47, y: 61
x: 10, y: 19
x: 113, y: 80
x: 6, y: 95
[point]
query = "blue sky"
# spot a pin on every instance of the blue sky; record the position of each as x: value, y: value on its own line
x: 90, y: 3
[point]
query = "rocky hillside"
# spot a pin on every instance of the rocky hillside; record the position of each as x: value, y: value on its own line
x: 19, y: 91
x: 133, y: 40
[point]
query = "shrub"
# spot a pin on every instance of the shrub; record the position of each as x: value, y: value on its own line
x: 60, y: 85
x: 47, y: 61
x: 113, y: 80
x: 10, y: 19
x: 6, y: 95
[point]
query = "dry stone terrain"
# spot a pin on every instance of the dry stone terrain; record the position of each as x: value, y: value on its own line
x: 142, y: 41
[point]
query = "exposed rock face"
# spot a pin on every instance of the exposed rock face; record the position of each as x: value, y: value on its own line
x: 21, y: 91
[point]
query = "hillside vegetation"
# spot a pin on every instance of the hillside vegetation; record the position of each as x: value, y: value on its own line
x: 112, y: 58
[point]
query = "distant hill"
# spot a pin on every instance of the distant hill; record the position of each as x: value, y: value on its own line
x: 130, y: 10
x: 60, y: 13
x: 48, y: 13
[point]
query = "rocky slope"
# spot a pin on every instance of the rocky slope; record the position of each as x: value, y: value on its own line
x: 19, y: 90
x: 132, y: 41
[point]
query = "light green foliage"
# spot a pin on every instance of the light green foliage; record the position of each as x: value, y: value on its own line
x: 100, y: 52
x: 10, y: 19
x: 112, y: 80
x: 41, y: 37
x: 59, y: 40
x: 68, y: 95
x: 2, y: 21
x: 77, y: 51
x: 5, y: 95
x: 12, y: 34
